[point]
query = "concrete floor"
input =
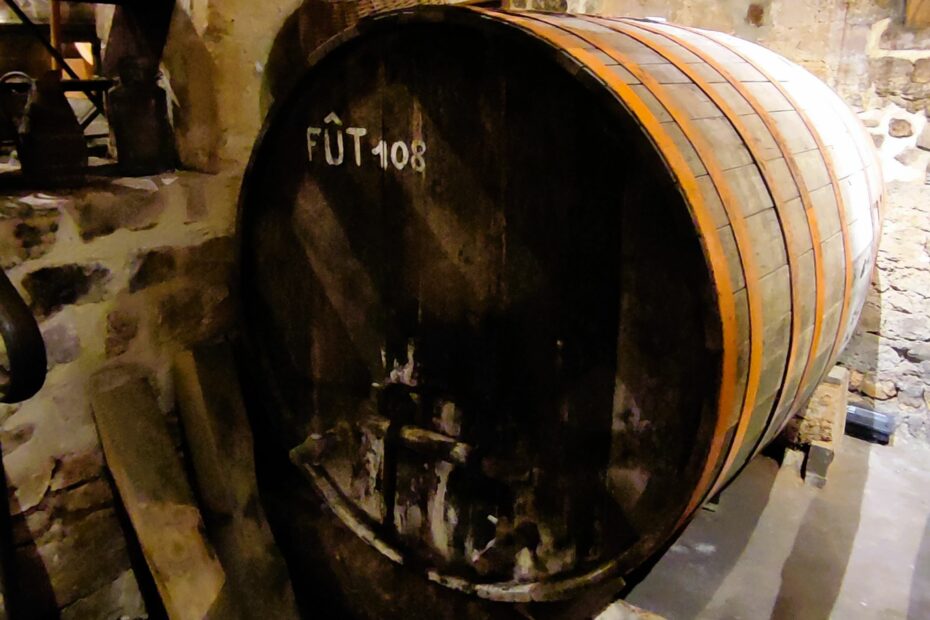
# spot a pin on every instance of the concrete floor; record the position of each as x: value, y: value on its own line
x: 777, y: 548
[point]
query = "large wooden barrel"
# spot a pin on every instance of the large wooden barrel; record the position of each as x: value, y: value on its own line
x: 522, y: 290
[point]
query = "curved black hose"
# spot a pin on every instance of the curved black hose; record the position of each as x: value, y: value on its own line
x: 25, y: 349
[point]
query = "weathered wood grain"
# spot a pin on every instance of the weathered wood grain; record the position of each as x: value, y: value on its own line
x: 150, y: 479
x: 219, y: 441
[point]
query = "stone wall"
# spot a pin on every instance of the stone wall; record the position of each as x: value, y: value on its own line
x: 120, y: 271
x: 130, y: 271
x: 125, y: 271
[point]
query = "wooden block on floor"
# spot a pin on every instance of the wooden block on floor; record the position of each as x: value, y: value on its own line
x: 151, y: 482
x: 838, y: 376
x: 819, y: 458
x: 793, y: 461
x: 219, y: 440
x: 820, y: 427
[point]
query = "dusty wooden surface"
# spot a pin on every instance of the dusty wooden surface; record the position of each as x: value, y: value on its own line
x: 219, y: 442
x: 150, y: 478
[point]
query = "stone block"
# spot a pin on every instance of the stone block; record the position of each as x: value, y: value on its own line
x: 102, y: 212
x: 855, y: 380
x: 192, y: 314
x: 94, y: 495
x: 918, y: 353
x: 120, y: 599
x: 921, y: 73
x: 28, y: 491
x: 911, y: 157
x: 900, y: 128
x: 62, y: 343
x: 903, y: 325
x: 879, y: 389
x: 122, y: 328
x: 910, y: 393
x: 73, y: 469
x: 210, y: 262
x: 52, y: 288
x: 154, y: 267
x: 72, y: 559
x: 819, y: 458
x: 28, y: 233
x: 11, y: 439
x: 923, y: 141
x: 29, y: 527
x: 890, y: 75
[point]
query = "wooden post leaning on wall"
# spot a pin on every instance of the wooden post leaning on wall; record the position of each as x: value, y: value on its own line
x: 918, y: 13
x: 55, y: 32
x: 149, y: 475
x: 219, y: 439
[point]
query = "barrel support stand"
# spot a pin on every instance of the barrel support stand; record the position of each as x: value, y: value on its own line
x: 815, y: 434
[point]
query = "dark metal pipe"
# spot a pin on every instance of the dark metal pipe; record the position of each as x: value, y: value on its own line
x: 25, y: 349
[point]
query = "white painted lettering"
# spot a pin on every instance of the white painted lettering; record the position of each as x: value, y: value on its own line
x: 357, y: 134
x: 400, y: 155
x: 311, y: 133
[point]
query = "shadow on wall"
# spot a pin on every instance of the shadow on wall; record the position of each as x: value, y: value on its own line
x: 890, y: 351
x: 191, y: 73
x: 306, y: 29
x: 27, y: 585
x: 865, y: 357
x: 919, y: 607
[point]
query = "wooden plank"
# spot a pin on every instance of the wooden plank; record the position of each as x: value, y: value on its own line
x: 150, y: 479
x: 6, y: 548
x: 918, y: 13
x: 214, y: 422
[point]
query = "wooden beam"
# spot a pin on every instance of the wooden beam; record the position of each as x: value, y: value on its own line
x: 151, y: 482
x: 219, y: 439
x: 918, y: 13
x: 55, y: 32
